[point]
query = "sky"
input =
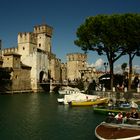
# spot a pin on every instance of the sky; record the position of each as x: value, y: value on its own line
x: 65, y: 16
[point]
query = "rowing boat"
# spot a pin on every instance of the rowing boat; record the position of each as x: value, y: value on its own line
x: 89, y: 102
x: 110, y: 131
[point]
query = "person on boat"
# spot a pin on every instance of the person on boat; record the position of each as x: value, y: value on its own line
x: 119, y: 117
x: 127, y: 117
x: 110, y: 118
x: 134, y: 114
x: 131, y: 116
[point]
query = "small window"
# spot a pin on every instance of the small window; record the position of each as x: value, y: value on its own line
x: 39, y: 44
x: 23, y: 48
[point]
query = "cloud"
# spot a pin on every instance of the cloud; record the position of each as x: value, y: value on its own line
x: 99, y: 63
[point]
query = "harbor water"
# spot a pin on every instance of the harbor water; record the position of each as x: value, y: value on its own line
x: 40, y: 117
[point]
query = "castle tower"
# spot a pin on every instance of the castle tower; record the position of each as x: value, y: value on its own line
x: 43, y: 34
x: 12, y: 60
x: 75, y: 62
x: 26, y: 43
x: 35, y: 49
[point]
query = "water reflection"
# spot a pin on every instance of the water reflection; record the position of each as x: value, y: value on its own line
x: 40, y: 117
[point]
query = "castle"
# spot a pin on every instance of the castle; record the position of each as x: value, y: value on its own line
x: 33, y: 62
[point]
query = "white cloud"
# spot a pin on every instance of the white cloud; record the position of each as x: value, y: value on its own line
x: 99, y: 63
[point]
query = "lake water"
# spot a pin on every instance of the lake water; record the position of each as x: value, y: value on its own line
x: 40, y: 117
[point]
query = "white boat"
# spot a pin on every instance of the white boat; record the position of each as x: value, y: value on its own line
x: 68, y: 90
x: 77, y: 97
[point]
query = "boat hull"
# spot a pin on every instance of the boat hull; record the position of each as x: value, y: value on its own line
x: 105, y: 111
x: 109, y: 131
x: 89, y: 103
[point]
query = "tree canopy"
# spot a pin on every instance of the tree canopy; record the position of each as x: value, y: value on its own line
x: 111, y: 35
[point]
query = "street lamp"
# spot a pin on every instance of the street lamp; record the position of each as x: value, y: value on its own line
x: 105, y: 65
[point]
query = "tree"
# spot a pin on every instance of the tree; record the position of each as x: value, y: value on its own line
x: 131, y: 39
x: 101, y: 33
x: 111, y: 35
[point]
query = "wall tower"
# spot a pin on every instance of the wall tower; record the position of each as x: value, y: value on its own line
x: 26, y: 43
x: 75, y: 62
x: 43, y: 34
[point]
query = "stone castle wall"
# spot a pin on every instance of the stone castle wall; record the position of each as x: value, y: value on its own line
x: 75, y: 62
x: 21, y: 80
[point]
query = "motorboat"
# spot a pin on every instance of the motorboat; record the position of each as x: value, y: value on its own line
x: 105, y: 109
x: 76, y: 97
x: 113, y: 131
x: 120, y: 127
x: 68, y: 90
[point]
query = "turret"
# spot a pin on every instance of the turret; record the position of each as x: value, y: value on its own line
x: 26, y: 43
x: 41, y: 29
x: 75, y: 62
x: 12, y: 60
x: 44, y: 34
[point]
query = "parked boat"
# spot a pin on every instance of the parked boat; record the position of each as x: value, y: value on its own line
x: 112, y: 131
x: 114, y: 109
x: 68, y: 90
x: 106, y: 110
x: 76, y: 97
x: 89, y: 102
x: 121, y: 126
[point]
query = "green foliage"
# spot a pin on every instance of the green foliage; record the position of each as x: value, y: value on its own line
x: 99, y: 34
x: 111, y: 35
x: 123, y: 66
x: 131, y: 33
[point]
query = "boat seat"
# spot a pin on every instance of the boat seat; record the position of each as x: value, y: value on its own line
x: 138, y: 122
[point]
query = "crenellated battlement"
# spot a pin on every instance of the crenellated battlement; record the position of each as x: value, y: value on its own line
x: 43, y: 29
x: 9, y: 50
x: 27, y: 37
x: 76, y: 57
